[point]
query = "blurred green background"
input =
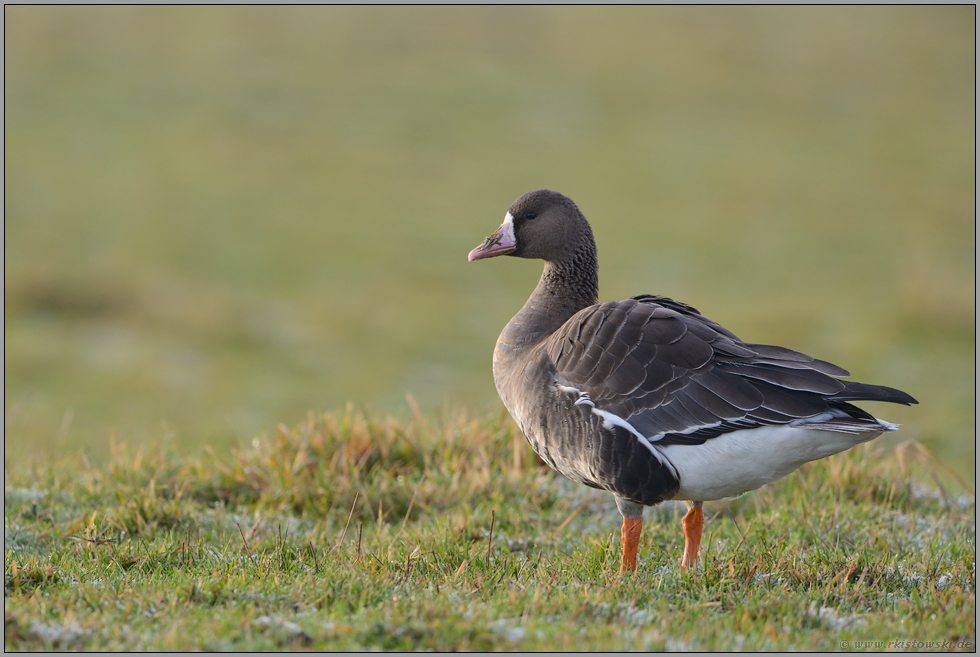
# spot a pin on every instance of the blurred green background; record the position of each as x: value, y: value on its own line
x: 219, y: 218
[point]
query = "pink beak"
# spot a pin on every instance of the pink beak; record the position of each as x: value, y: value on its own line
x: 500, y: 243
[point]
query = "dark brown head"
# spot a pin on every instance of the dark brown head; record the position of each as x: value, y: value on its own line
x: 541, y: 224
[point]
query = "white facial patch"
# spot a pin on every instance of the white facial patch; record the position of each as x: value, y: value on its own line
x: 509, y: 225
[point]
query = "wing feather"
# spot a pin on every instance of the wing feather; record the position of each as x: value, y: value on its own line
x: 680, y: 377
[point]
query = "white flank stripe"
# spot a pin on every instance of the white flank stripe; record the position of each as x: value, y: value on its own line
x: 610, y: 420
x: 657, y: 436
x: 823, y: 417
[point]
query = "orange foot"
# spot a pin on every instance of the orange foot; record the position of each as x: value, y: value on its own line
x: 631, y: 542
x: 693, y: 524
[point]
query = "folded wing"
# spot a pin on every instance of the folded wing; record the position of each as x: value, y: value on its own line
x: 678, y: 377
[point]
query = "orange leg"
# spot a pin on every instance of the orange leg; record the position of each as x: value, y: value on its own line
x: 631, y: 542
x: 692, y: 523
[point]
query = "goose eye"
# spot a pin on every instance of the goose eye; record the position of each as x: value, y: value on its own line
x: 531, y: 215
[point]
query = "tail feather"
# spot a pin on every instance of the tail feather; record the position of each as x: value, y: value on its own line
x: 866, y: 392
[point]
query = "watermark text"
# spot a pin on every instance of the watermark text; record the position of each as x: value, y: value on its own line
x: 907, y: 644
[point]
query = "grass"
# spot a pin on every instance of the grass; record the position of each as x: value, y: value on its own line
x: 355, y: 532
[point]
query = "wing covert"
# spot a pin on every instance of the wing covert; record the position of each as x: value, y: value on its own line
x: 669, y: 371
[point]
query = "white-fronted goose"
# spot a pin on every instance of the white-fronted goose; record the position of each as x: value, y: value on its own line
x: 648, y: 399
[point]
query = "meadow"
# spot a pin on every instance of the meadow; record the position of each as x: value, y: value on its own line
x: 347, y: 532
x: 230, y: 230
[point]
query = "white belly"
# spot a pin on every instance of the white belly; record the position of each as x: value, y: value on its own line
x: 740, y: 461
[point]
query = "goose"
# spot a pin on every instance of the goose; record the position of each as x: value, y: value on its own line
x: 648, y: 399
